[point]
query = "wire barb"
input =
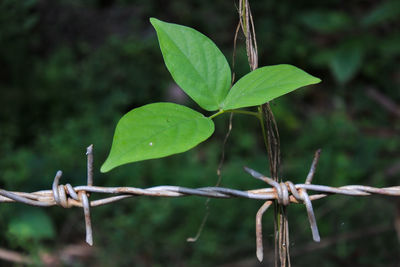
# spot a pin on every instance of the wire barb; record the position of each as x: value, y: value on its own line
x: 67, y: 196
x: 282, y: 197
x: 89, y: 153
x: 259, y: 242
x: 64, y: 195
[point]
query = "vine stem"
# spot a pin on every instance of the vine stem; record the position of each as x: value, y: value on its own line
x: 264, y: 133
x: 239, y: 111
x: 270, y: 136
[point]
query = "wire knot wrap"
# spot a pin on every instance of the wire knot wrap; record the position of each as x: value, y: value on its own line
x: 284, y: 193
x: 282, y: 196
x: 65, y: 195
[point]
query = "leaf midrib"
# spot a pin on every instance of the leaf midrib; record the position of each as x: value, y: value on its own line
x: 191, y: 64
x: 165, y: 129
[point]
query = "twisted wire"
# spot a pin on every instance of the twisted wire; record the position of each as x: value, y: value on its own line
x: 46, y: 198
x: 284, y: 193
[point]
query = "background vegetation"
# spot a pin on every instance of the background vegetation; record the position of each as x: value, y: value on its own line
x: 71, y: 69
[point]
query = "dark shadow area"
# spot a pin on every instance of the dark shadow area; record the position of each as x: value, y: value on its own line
x: 70, y: 69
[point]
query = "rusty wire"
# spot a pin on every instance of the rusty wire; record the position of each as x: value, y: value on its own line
x: 284, y: 193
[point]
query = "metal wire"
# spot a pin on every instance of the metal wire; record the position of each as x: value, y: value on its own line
x: 46, y: 198
x: 284, y: 193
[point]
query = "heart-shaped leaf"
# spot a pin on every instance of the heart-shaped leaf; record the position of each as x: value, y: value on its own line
x: 156, y: 130
x: 195, y: 63
x: 266, y: 83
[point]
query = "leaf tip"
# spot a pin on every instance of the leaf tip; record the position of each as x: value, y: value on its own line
x: 105, y: 167
x: 153, y: 20
x: 316, y: 80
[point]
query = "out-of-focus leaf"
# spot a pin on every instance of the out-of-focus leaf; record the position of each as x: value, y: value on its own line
x: 325, y: 21
x: 390, y: 46
x: 265, y: 84
x: 156, y: 130
x: 31, y: 224
x: 195, y: 63
x: 321, y: 58
x: 382, y: 13
x: 345, y: 62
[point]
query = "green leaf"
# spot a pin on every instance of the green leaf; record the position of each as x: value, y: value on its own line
x: 346, y: 62
x: 195, y: 63
x: 265, y: 84
x: 384, y: 12
x: 156, y: 130
x: 326, y: 21
x: 31, y: 224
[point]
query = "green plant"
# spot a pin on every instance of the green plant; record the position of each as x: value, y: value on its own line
x: 201, y: 70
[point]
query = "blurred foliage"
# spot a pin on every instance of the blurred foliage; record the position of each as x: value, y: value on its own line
x: 71, y: 69
x: 33, y: 224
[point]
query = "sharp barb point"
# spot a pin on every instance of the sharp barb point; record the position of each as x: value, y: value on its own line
x: 260, y: 255
x: 67, y: 196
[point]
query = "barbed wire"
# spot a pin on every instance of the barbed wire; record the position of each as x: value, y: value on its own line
x: 284, y: 193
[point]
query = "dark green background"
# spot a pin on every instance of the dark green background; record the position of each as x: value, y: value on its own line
x: 70, y: 69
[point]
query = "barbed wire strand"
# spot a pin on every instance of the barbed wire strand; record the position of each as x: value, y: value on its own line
x: 284, y: 193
